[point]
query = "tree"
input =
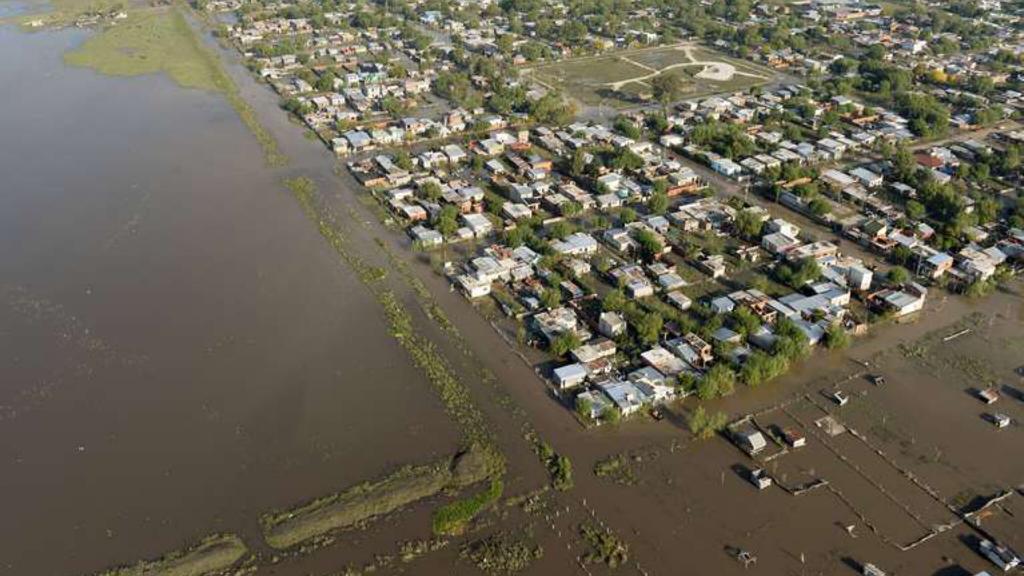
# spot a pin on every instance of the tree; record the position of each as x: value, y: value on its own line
x: 704, y: 426
x: 650, y: 245
x: 819, y: 207
x: 915, y: 210
x: 748, y: 224
x: 666, y: 89
x: 615, y: 301
x: 745, y: 321
x: 584, y: 407
x: 627, y: 127
x: 648, y: 328
x: 761, y: 367
x: 658, y: 202
x: 565, y: 343
x: 836, y: 338
x: 551, y: 298
x: 898, y: 275
x: 719, y: 381
x: 447, y: 221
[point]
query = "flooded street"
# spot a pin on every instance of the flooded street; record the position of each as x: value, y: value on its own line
x: 180, y: 350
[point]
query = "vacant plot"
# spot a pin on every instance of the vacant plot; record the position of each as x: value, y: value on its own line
x: 624, y: 78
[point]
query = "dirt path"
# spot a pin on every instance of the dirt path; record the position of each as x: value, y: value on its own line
x: 717, y: 71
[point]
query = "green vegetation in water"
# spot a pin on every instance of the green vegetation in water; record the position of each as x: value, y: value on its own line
x: 453, y: 518
x: 502, y: 553
x: 617, y: 469
x: 604, y: 547
x: 160, y: 40
x: 214, y: 554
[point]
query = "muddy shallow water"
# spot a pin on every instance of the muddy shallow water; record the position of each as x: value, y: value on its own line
x: 179, y: 349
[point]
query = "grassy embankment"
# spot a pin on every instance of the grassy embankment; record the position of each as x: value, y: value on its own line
x: 399, y: 489
x: 213, y: 555
x: 371, y: 499
x: 160, y: 40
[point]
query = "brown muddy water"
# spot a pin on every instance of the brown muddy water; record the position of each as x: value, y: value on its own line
x: 179, y: 349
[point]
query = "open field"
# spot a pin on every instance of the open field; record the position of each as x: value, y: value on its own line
x: 622, y: 79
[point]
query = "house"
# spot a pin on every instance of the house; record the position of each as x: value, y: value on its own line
x: 611, y: 324
x: 478, y: 224
x: 426, y: 237
x: 570, y: 376
x: 679, y: 300
x: 751, y: 440
x: 594, y: 350
x: 663, y: 361
x: 866, y: 177
x: 595, y: 403
x: 624, y: 395
x: 902, y: 302
x: 726, y: 167
x: 712, y: 265
x: 779, y: 243
x: 578, y: 244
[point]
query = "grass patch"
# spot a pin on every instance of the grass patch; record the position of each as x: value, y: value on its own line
x: 214, y: 554
x: 161, y: 41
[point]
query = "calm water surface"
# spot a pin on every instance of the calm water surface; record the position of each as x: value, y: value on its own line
x: 179, y: 349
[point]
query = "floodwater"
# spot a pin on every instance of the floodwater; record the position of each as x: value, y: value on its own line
x: 180, y: 351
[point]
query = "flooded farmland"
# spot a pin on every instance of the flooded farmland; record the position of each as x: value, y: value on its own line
x: 180, y: 350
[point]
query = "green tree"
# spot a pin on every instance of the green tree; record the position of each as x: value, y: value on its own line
x: 666, y: 89
x: 748, y: 224
x: 565, y: 343
x: 898, y: 275
x: 658, y: 203
x: 704, y: 425
x: 836, y: 338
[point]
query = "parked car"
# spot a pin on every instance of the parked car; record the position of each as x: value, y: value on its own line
x: 1001, y: 556
x: 872, y: 570
x: 760, y: 479
x: 877, y: 380
x: 840, y: 397
x: 1000, y: 420
x: 988, y: 395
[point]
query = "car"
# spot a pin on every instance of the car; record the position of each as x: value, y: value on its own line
x: 760, y: 479
x: 840, y: 397
x: 872, y: 570
x: 1000, y: 420
x: 988, y: 395
x: 877, y: 379
x: 1001, y: 556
